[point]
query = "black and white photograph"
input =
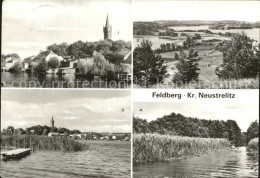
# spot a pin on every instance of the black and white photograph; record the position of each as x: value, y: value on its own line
x: 57, y: 133
x: 196, y: 139
x: 66, y: 44
x: 196, y: 44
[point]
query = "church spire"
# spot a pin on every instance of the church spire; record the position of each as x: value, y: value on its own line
x: 52, y: 122
x: 107, y: 29
x: 107, y: 21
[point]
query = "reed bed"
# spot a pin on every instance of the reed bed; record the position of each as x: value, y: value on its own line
x: 253, y: 145
x: 43, y: 143
x: 150, y: 148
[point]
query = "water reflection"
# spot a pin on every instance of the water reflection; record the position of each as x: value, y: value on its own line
x: 221, y: 163
x: 34, y: 80
x: 109, y: 159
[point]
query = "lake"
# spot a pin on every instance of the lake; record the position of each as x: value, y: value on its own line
x: 221, y: 163
x: 157, y: 41
x: 110, y: 159
x: 33, y: 80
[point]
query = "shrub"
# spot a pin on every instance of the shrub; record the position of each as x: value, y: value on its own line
x: 253, y: 145
x: 17, y: 67
x: 53, y: 63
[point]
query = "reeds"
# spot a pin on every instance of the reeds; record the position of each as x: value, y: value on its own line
x: 43, y: 143
x: 154, y: 147
x: 253, y: 145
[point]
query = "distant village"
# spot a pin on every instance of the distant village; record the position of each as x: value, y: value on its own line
x: 53, y: 131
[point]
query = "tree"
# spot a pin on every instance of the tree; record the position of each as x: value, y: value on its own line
x: 75, y: 49
x: 45, y: 132
x: 114, y: 58
x: 148, y: 67
x: 61, y: 49
x: 17, y: 67
x: 53, y: 63
x: 10, y: 129
x: 187, y: 67
x: 116, y: 46
x: 240, y: 58
x: 42, y: 66
x: 252, y: 131
x: 13, y: 55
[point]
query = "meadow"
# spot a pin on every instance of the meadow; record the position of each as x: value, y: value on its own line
x: 148, y: 148
x: 41, y: 143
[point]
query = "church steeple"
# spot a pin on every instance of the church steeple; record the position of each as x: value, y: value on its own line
x: 107, y: 29
x: 52, y: 122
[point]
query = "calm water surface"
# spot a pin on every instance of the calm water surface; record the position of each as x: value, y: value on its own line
x: 157, y: 41
x: 33, y: 80
x: 110, y: 159
x: 222, y: 163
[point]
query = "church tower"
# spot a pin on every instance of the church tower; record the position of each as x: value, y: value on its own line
x: 107, y: 29
x: 52, y: 122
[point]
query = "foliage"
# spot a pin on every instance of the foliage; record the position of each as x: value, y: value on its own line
x: 41, y: 66
x: 43, y: 143
x: 253, y: 145
x: 252, y: 131
x: 53, y: 63
x: 187, y: 67
x: 148, y: 67
x: 59, y: 49
x: 114, y: 58
x: 17, y: 67
x: 154, y: 147
x: 240, y: 58
x: 177, y: 124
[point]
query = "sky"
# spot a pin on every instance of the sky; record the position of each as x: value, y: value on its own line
x: 242, y: 112
x: 29, y: 26
x: 85, y: 110
x: 150, y: 10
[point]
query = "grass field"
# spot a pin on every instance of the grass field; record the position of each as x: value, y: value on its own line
x: 149, y: 148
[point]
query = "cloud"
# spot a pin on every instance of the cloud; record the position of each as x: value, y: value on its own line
x: 89, y: 109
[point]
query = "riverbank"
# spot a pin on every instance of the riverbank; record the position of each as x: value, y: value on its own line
x: 41, y: 143
x: 150, y: 148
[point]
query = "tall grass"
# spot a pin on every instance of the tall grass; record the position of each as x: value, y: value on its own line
x: 43, y: 143
x: 253, y: 145
x: 154, y: 147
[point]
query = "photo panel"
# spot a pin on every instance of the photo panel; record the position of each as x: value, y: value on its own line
x: 196, y: 139
x: 66, y: 44
x: 65, y: 133
x: 196, y: 44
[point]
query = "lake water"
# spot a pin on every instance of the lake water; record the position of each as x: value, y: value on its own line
x: 111, y: 159
x: 221, y: 163
x: 33, y: 80
x: 157, y: 41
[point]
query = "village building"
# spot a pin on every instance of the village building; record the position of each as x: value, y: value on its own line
x: 10, y: 61
x: 46, y: 55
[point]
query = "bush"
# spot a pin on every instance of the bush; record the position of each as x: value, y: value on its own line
x: 53, y: 63
x: 253, y: 145
x: 17, y: 67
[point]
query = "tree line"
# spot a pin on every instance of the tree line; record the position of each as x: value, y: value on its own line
x: 177, y: 124
x: 37, y: 130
